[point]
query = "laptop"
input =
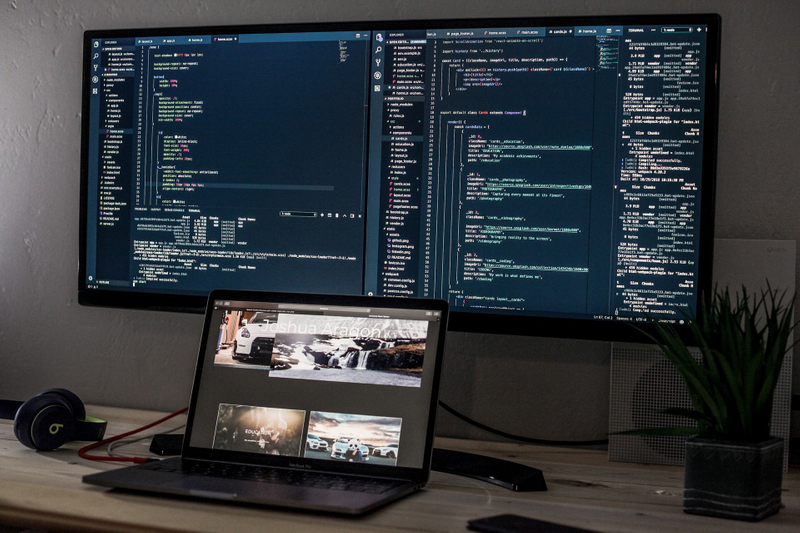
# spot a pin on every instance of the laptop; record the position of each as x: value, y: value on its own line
x: 314, y: 402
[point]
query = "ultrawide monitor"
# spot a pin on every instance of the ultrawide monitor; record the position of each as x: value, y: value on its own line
x: 545, y: 176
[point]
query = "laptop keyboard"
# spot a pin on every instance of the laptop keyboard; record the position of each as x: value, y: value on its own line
x: 283, y: 476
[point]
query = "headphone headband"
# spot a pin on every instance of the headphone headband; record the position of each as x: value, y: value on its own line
x: 9, y: 408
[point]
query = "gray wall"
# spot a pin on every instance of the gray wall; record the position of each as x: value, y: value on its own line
x: 551, y: 388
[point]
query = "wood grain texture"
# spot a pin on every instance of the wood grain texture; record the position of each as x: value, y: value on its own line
x: 43, y: 490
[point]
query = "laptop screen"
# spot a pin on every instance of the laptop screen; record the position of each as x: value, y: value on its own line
x: 327, y: 380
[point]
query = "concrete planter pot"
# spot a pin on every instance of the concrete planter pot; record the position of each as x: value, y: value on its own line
x: 740, y: 481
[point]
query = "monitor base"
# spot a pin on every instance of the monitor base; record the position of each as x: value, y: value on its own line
x: 507, y: 474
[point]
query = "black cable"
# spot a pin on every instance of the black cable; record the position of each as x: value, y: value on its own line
x: 527, y: 440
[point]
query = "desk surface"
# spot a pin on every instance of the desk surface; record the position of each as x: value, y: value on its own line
x: 44, y: 490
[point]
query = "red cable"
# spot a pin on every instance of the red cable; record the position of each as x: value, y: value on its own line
x: 138, y: 460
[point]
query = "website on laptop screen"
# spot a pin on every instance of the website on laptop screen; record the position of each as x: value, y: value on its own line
x: 319, y: 382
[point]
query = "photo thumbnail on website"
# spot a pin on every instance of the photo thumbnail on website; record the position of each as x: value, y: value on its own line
x: 261, y: 430
x: 353, y: 438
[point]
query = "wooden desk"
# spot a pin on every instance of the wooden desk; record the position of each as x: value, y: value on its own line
x: 44, y: 490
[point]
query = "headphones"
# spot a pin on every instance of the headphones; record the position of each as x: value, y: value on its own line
x: 50, y: 419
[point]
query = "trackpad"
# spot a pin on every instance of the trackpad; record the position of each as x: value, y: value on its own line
x: 207, y: 487
x: 230, y: 489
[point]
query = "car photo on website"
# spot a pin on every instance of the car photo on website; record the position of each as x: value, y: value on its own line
x: 350, y: 350
x: 373, y: 351
x: 353, y: 438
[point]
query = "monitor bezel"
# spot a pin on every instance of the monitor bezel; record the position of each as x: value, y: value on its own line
x: 478, y: 322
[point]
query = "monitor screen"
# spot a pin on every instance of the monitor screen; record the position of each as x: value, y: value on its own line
x: 544, y: 176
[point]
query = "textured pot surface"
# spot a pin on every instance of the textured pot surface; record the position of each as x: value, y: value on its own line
x: 734, y: 480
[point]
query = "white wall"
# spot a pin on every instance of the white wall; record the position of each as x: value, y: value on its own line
x: 145, y: 359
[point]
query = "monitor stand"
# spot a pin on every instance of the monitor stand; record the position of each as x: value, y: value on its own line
x: 507, y: 474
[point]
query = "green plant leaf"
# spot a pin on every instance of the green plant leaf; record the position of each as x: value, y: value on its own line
x: 660, y: 431
x: 686, y: 413
x: 743, y: 341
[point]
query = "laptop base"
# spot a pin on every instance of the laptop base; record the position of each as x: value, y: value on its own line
x: 507, y: 474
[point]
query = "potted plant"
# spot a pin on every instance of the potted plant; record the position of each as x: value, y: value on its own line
x: 734, y: 467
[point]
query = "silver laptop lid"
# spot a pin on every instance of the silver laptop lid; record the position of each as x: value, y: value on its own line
x: 337, y: 383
